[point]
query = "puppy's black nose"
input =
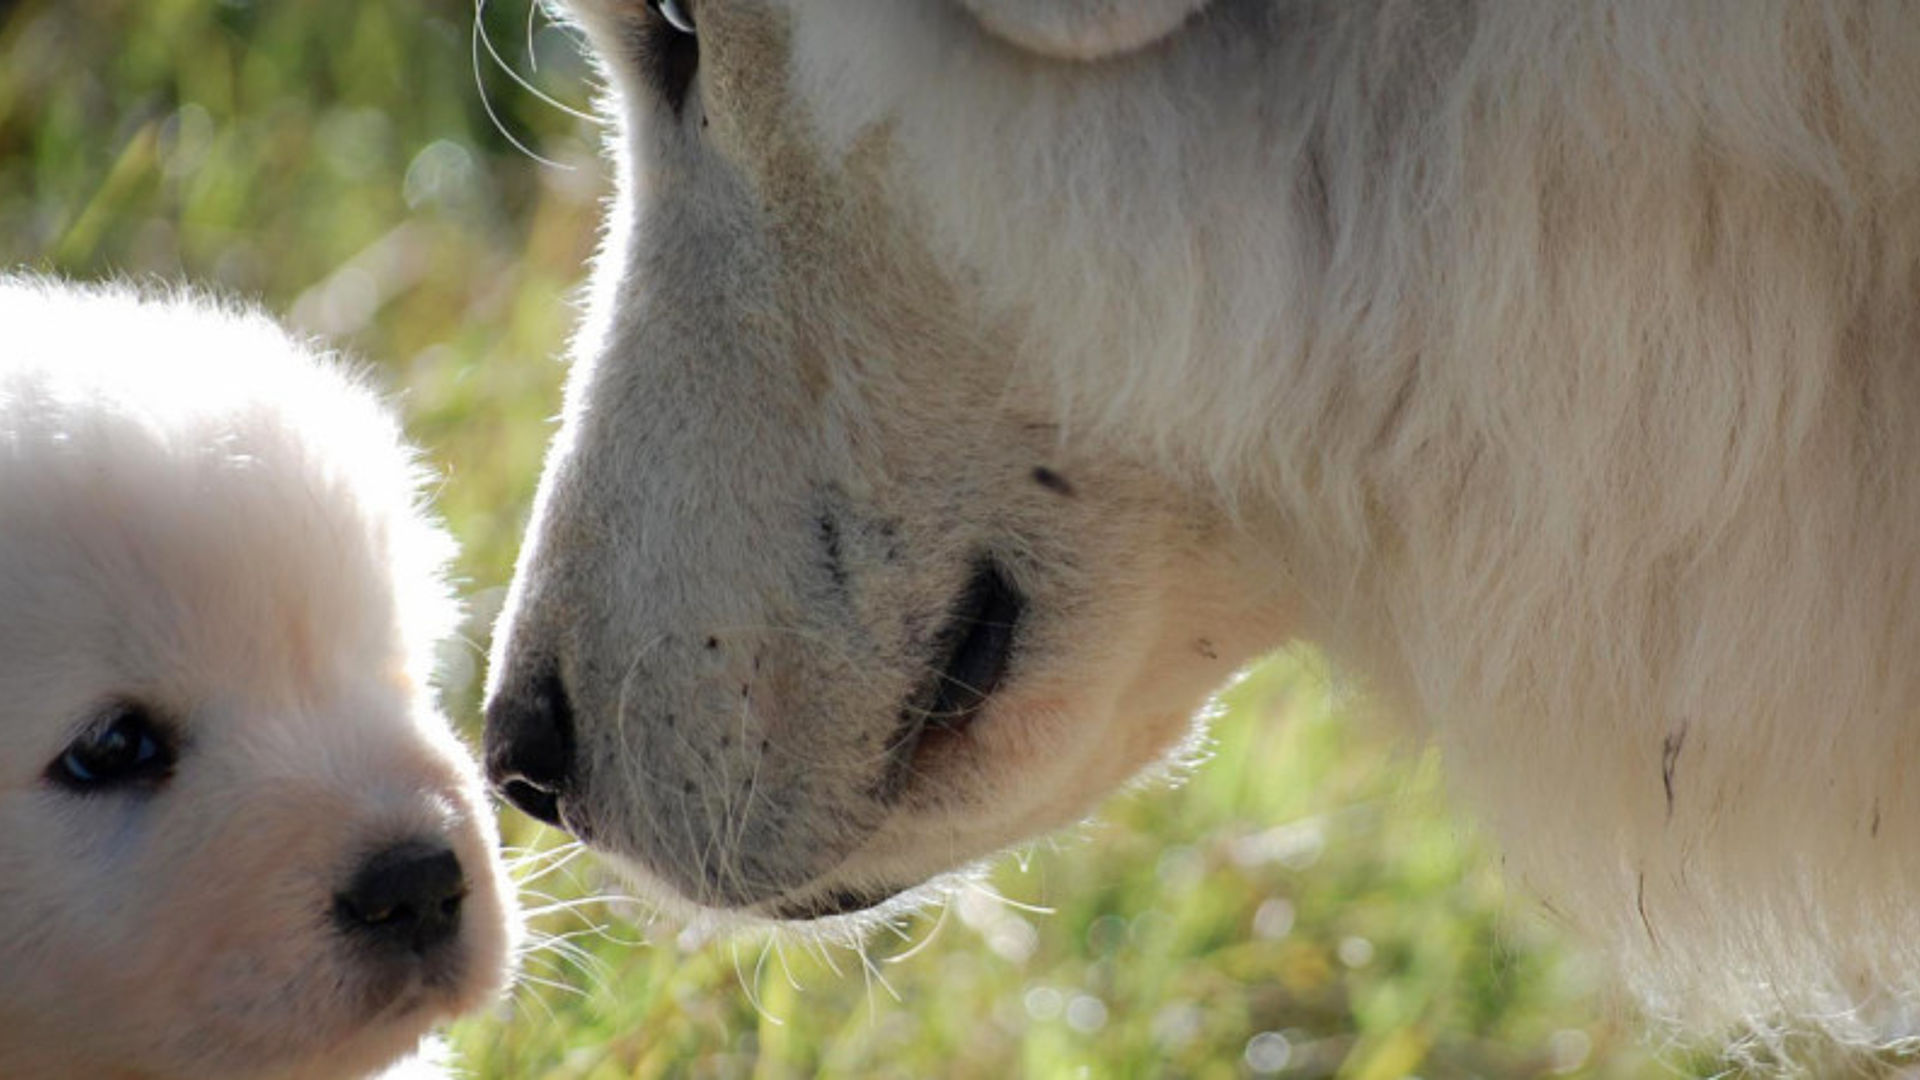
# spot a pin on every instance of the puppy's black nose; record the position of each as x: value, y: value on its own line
x: 404, y: 897
x: 530, y: 746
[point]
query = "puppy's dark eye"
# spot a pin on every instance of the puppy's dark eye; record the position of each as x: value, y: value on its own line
x: 126, y: 747
x: 669, y: 51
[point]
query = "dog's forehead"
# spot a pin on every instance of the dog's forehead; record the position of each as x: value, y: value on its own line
x: 225, y: 578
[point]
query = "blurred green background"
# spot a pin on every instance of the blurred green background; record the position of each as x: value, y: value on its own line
x: 1301, y: 906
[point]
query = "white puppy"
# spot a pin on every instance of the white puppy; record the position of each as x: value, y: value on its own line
x: 236, y: 837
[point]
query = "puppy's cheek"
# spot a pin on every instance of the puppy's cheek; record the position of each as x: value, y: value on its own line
x: 240, y: 956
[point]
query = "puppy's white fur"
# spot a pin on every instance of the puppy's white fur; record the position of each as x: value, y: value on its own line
x: 1556, y: 365
x: 199, y: 516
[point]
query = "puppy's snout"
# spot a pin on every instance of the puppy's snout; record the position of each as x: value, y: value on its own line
x: 407, y: 896
x: 530, y: 746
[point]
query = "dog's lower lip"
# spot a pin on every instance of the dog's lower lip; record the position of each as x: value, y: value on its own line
x: 981, y: 634
x: 839, y: 902
x: 973, y: 651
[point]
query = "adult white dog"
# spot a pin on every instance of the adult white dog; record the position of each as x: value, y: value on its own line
x: 236, y: 837
x: 970, y: 385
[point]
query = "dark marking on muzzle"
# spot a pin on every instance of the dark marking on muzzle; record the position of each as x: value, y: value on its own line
x: 1052, y: 481
x: 1670, y: 748
x: 828, y: 528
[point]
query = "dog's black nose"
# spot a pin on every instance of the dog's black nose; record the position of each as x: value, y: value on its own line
x: 405, y: 897
x: 530, y: 746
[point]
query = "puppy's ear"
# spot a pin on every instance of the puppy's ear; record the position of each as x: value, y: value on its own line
x: 1082, y: 29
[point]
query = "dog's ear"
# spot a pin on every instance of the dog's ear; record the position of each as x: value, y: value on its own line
x: 1082, y: 29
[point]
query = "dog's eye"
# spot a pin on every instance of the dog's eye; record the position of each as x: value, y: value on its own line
x: 125, y: 747
x: 675, y: 12
x: 669, y: 51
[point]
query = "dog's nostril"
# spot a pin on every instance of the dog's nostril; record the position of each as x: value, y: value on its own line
x: 532, y: 800
x: 404, y: 897
x: 530, y: 746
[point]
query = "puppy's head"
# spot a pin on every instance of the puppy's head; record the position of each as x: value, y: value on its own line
x: 235, y: 836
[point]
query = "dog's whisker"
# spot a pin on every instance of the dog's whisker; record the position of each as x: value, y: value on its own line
x: 939, y: 923
x: 554, y: 985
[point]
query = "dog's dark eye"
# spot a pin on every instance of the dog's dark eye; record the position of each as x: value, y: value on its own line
x: 669, y: 51
x: 676, y: 13
x: 126, y: 747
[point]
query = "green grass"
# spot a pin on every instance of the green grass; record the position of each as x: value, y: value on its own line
x: 1302, y: 896
x: 1303, y: 899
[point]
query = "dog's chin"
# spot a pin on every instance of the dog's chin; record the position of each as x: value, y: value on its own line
x: 388, y: 1004
x: 418, y: 992
x: 826, y: 899
x: 928, y: 831
x: 373, y: 1051
x: 829, y: 888
x: 391, y: 1016
x: 995, y: 746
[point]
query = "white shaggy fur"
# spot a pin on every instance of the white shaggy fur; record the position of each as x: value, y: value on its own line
x: 1555, y: 365
x: 199, y: 517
